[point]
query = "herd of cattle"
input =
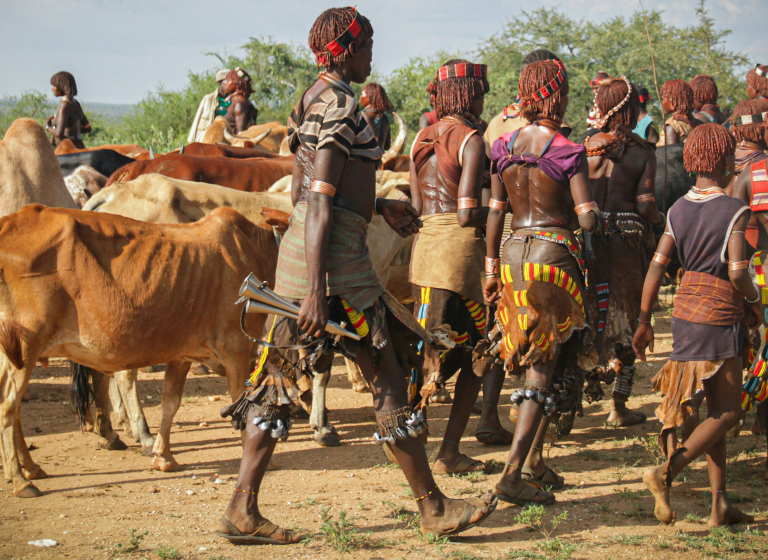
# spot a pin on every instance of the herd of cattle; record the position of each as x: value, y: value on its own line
x: 118, y: 259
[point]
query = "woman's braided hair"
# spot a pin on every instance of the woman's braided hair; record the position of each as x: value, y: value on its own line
x: 534, y: 77
x: 610, y: 93
x: 758, y: 83
x: 455, y: 95
x: 330, y: 25
x: 377, y: 97
x: 242, y: 82
x: 753, y: 132
x: 680, y: 97
x: 65, y: 82
x: 704, y: 89
x: 707, y: 146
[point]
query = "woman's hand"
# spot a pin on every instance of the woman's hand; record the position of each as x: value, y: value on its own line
x: 314, y: 314
x: 399, y: 215
x: 492, y: 290
x: 643, y: 339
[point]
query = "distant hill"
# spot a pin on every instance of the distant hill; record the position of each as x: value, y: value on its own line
x: 108, y: 110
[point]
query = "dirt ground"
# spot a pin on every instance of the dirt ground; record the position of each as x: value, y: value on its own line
x: 93, y: 499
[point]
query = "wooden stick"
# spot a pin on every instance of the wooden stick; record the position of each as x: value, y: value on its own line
x: 658, y: 96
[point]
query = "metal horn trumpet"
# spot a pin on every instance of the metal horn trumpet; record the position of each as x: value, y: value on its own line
x: 260, y: 299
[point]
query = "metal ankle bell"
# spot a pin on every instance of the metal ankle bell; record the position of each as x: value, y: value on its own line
x: 264, y: 425
x: 380, y: 440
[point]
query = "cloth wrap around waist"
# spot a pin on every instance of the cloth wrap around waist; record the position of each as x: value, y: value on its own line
x: 349, y: 270
x: 449, y: 257
x: 708, y: 300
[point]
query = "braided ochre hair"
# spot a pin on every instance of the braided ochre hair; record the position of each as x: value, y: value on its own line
x: 706, y: 148
x: 534, y: 77
x: 329, y: 27
x: 753, y: 132
x: 455, y: 95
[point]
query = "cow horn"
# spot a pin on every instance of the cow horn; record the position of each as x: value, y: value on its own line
x: 261, y: 137
x: 151, y: 153
x: 229, y: 137
x: 181, y: 150
x: 397, y: 146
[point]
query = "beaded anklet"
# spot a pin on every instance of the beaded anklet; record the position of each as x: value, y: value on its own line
x: 513, y: 465
x: 537, y: 448
x: 427, y: 495
x: 718, y: 491
x: 449, y: 441
x: 246, y: 491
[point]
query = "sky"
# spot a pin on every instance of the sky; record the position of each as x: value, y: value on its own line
x: 119, y: 50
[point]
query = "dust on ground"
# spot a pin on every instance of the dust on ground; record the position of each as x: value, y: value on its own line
x: 95, y: 500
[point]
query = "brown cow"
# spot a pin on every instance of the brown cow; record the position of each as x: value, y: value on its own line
x: 129, y: 150
x: 250, y: 175
x: 112, y: 294
x: 202, y: 149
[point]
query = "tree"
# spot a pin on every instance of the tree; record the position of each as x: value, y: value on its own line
x: 31, y: 105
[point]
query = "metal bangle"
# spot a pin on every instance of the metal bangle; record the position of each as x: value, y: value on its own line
x: 585, y: 208
x: 661, y: 259
x: 375, y: 204
x: 756, y: 299
x: 492, y: 267
x: 494, y: 204
x: 648, y: 197
x: 467, y: 203
x: 323, y: 188
x: 738, y: 265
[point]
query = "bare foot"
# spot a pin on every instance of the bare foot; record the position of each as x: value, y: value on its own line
x: 622, y: 417
x: 655, y: 482
x: 441, y: 516
x: 723, y: 513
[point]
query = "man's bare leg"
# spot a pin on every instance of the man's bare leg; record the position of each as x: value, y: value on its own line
x: 723, y: 393
x: 467, y: 389
x: 489, y: 428
x: 389, y: 387
x: 529, y: 426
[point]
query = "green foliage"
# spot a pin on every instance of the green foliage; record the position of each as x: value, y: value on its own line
x: 340, y: 533
x: 618, y: 46
x: 30, y: 105
x: 167, y: 552
x: 134, y: 541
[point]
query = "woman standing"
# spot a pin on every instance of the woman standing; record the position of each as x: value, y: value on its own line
x: 69, y: 121
x: 707, y: 229
x: 375, y: 104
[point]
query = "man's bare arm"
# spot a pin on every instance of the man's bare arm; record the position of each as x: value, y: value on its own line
x: 582, y: 194
x: 471, y: 183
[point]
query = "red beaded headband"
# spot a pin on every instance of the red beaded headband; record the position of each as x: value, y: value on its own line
x: 595, y: 83
x: 462, y: 70
x: 553, y: 85
x: 341, y: 43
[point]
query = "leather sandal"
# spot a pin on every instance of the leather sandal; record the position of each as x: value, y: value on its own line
x: 550, y: 479
x: 527, y: 495
x: 465, y: 465
x: 268, y: 533
x: 462, y: 524
x: 493, y: 436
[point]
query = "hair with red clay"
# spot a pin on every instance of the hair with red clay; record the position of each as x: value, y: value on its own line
x: 758, y: 83
x: 329, y: 27
x: 377, y: 98
x: 455, y: 95
x: 242, y: 83
x: 704, y: 89
x: 707, y: 147
x: 534, y: 77
x: 610, y: 93
x: 750, y: 132
x: 680, y: 97
x: 65, y: 82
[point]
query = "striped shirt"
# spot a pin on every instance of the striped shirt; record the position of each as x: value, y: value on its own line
x: 333, y: 117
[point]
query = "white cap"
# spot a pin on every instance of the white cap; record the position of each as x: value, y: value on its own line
x: 222, y: 74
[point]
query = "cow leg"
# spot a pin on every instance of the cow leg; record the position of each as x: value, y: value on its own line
x: 34, y: 471
x: 127, y: 383
x: 325, y: 433
x: 13, y: 383
x: 103, y: 420
x: 119, y: 408
x: 355, y: 377
x: 173, y: 387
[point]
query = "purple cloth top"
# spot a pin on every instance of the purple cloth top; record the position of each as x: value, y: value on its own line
x: 560, y: 159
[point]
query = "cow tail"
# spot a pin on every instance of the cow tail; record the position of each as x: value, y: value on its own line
x: 81, y: 391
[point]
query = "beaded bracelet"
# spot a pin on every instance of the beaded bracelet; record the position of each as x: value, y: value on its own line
x: 427, y: 495
x: 639, y: 320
